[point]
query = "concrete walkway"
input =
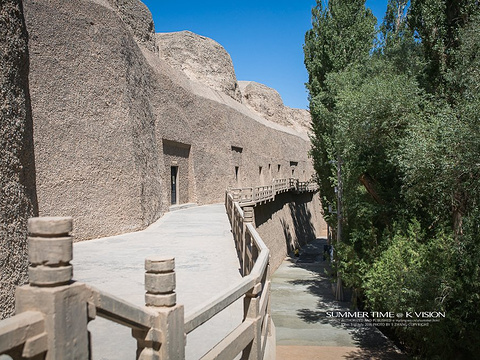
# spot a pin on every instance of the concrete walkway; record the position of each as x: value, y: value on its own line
x: 301, y: 296
x: 206, y: 263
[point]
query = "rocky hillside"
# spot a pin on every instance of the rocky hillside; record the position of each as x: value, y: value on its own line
x: 205, y: 61
x: 202, y: 59
x: 115, y: 107
x: 268, y: 103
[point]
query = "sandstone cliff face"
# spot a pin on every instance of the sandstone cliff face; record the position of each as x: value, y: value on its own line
x: 138, y: 19
x: 96, y: 151
x: 17, y: 173
x: 202, y: 59
x: 114, y: 118
x: 268, y: 103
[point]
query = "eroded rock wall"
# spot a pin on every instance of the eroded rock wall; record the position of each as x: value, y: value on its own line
x: 268, y: 103
x: 96, y: 151
x: 138, y: 19
x: 202, y: 59
x: 106, y: 106
x: 17, y: 170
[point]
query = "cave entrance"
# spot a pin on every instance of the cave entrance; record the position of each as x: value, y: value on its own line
x: 174, y: 184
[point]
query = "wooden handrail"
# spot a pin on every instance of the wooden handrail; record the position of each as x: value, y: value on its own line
x: 234, y: 342
x: 254, y: 259
x: 265, y: 193
x: 263, y: 258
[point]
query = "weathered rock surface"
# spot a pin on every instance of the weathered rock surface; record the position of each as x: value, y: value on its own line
x: 17, y: 172
x: 138, y: 19
x: 96, y: 152
x: 202, y: 59
x: 268, y: 103
x: 113, y: 118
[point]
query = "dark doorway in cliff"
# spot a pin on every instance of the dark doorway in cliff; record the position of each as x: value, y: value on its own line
x: 174, y: 184
x: 179, y: 167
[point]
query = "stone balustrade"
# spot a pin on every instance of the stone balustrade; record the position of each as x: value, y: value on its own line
x: 53, y: 310
x: 262, y: 194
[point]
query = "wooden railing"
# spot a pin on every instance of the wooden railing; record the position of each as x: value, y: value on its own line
x: 254, y: 258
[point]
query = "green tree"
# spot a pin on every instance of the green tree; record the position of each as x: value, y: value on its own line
x: 403, y: 116
x: 342, y: 33
x: 437, y: 24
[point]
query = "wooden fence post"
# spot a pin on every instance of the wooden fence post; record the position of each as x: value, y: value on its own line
x: 247, y: 247
x: 51, y: 292
x: 166, y: 340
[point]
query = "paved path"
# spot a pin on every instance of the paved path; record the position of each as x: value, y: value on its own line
x: 301, y: 296
x: 206, y: 263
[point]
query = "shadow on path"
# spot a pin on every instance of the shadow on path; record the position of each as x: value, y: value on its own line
x: 304, y: 310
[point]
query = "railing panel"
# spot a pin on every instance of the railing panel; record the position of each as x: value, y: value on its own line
x: 268, y: 192
x: 206, y: 311
x: 25, y: 328
x: 233, y: 343
x: 265, y: 329
x: 121, y: 311
x: 265, y: 298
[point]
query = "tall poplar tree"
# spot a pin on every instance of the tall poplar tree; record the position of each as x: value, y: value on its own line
x: 402, y: 112
x: 342, y: 34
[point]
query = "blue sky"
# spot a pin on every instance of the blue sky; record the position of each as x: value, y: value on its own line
x: 263, y: 37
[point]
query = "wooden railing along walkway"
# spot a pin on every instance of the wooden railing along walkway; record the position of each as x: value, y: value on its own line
x: 54, y: 311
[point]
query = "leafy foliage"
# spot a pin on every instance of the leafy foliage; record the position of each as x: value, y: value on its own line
x: 401, y: 110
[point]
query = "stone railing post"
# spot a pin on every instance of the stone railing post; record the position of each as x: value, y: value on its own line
x: 166, y: 340
x: 51, y: 291
x: 251, y: 308
x: 248, y: 217
x: 236, y: 195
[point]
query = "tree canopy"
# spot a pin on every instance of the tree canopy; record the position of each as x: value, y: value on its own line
x: 399, y: 103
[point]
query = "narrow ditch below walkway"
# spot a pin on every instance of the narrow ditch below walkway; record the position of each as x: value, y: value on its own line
x: 301, y: 296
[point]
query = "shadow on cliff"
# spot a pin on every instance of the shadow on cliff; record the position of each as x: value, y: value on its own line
x: 297, y: 225
x: 302, y: 219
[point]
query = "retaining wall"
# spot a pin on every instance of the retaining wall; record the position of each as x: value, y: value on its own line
x: 288, y: 222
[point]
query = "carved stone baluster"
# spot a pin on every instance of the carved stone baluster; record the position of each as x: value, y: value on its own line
x: 166, y: 339
x: 50, y: 251
x: 51, y: 291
